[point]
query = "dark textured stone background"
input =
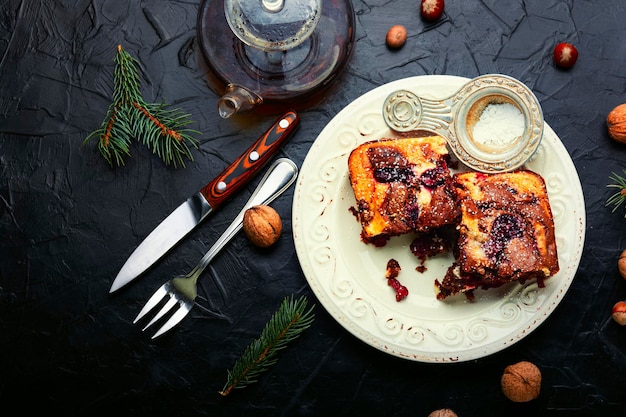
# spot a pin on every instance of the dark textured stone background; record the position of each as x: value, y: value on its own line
x: 68, y: 221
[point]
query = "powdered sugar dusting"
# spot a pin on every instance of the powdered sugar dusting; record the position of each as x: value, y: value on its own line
x: 499, y: 125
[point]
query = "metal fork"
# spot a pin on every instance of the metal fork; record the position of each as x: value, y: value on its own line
x: 182, y: 290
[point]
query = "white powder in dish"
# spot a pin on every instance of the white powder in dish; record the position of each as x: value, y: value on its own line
x: 498, y: 125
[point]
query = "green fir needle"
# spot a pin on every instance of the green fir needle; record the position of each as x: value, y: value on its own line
x: 291, y: 319
x: 618, y: 199
x: 130, y: 117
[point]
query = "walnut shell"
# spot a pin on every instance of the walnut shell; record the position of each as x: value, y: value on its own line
x: 444, y: 412
x: 262, y: 225
x: 521, y: 382
x: 616, y: 122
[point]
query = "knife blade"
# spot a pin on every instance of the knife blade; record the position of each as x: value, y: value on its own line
x: 210, y: 197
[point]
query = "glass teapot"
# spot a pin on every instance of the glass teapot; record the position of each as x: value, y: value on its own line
x: 270, y: 55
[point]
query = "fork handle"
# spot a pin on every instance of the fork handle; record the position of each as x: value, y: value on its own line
x: 278, y: 177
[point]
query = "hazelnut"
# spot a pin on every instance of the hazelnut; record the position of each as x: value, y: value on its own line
x: 444, y: 412
x: 619, y: 313
x: 616, y: 122
x: 262, y: 225
x: 521, y: 382
x: 396, y: 36
x: 621, y: 264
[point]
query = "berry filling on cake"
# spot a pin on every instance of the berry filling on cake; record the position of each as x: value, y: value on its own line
x: 428, y: 244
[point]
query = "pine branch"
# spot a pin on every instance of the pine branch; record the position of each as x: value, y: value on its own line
x: 129, y: 116
x: 161, y: 132
x: 291, y: 319
x: 113, y: 138
x: 618, y: 199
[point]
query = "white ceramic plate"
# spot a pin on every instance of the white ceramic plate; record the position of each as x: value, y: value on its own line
x: 348, y: 276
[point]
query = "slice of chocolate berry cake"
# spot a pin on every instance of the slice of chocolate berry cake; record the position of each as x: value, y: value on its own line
x: 402, y: 185
x: 506, y: 232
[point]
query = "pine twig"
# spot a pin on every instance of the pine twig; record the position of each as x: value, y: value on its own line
x: 291, y: 319
x: 129, y: 116
x: 618, y: 199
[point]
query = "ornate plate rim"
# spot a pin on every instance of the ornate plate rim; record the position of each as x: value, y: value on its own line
x: 326, y: 240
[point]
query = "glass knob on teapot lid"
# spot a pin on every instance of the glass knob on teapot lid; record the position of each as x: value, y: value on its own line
x: 273, y: 25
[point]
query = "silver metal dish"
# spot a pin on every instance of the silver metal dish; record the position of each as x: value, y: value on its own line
x: 455, y: 117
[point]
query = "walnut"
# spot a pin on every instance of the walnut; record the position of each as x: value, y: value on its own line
x: 616, y: 122
x: 444, y: 412
x: 521, y: 382
x: 262, y: 225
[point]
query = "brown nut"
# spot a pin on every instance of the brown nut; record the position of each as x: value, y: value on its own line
x: 616, y: 122
x: 521, y: 382
x: 621, y: 264
x: 444, y: 412
x: 619, y: 313
x: 396, y: 36
x: 262, y: 225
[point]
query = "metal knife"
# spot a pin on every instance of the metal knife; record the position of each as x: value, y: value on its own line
x: 197, y: 207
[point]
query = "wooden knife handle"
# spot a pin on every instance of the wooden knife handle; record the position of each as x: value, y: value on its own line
x: 238, y: 173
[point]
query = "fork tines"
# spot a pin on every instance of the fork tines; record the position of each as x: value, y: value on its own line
x: 157, y: 298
